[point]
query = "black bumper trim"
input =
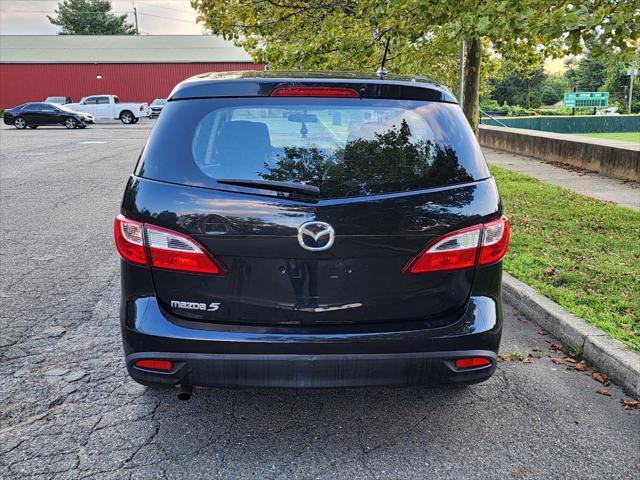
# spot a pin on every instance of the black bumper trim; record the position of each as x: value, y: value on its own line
x: 312, y: 371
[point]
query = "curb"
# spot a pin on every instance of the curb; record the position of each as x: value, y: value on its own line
x: 601, y: 351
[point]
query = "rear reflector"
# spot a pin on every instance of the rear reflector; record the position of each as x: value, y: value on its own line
x: 482, y: 244
x: 160, y: 365
x: 315, y: 92
x: 473, y: 362
x: 167, y: 249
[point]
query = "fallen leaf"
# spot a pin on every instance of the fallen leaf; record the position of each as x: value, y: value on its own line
x: 557, y: 361
x: 556, y: 347
x: 541, y: 332
x: 638, y: 466
x: 581, y: 367
x: 629, y: 404
x: 536, y: 349
x: 571, y: 360
x: 527, y: 360
x: 604, y: 391
x: 504, y: 357
x: 602, y: 378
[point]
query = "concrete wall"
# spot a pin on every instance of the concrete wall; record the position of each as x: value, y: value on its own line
x: 570, y: 123
x: 613, y: 159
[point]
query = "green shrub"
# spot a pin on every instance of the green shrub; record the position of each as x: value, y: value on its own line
x: 549, y: 96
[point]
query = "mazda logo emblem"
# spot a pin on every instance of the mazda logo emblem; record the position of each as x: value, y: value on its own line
x: 316, y: 236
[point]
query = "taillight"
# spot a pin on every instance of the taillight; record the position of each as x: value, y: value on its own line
x: 495, y: 241
x: 338, y: 92
x: 173, y: 251
x: 450, y: 252
x: 129, y: 238
x: 478, y: 245
x: 167, y: 249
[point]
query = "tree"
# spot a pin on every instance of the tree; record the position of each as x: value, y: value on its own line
x: 324, y: 34
x: 587, y: 74
x: 518, y: 88
x: 549, y: 96
x: 90, y: 17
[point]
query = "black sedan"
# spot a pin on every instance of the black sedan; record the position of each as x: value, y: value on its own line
x: 34, y: 115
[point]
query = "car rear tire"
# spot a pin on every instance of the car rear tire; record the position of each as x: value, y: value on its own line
x: 33, y: 126
x: 127, y: 117
x: 20, y: 123
x: 70, y: 123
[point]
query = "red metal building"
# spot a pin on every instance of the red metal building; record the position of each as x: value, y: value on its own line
x: 136, y: 68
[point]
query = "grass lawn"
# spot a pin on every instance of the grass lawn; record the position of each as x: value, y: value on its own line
x: 624, y: 136
x: 581, y: 252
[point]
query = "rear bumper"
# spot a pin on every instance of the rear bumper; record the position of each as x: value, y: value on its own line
x: 312, y: 371
x: 263, y: 357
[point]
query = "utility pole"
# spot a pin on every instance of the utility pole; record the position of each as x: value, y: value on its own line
x: 461, y: 73
x: 135, y: 16
x: 632, y: 72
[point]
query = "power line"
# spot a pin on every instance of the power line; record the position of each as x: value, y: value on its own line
x: 128, y: 12
x: 166, y: 18
x: 168, y: 8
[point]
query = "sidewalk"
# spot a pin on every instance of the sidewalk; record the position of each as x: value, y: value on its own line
x: 590, y: 184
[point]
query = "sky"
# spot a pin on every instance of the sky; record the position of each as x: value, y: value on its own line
x: 156, y: 17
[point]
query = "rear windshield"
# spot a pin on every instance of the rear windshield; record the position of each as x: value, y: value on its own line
x: 344, y: 147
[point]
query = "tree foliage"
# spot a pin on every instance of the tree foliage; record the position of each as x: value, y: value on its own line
x: 90, y: 17
x: 350, y: 34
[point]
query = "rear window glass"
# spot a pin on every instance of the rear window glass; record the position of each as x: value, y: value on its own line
x: 345, y: 147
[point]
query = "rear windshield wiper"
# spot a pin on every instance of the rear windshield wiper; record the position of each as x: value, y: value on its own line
x: 272, y: 185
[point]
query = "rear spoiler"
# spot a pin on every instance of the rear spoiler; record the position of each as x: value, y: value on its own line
x: 261, y: 87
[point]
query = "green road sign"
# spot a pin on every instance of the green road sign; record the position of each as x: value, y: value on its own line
x: 586, y: 99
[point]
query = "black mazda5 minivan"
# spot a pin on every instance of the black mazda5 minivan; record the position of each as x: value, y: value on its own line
x: 310, y: 230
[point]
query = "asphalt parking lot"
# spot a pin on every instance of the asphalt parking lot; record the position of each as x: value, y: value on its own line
x: 68, y: 409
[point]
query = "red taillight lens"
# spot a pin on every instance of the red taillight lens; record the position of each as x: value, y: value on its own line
x: 478, y: 245
x: 168, y: 250
x: 451, y: 252
x: 315, y: 92
x: 173, y: 251
x: 129, y: 238
x: 495, y: 241
x: 160, y: 365
x: 472, y: 362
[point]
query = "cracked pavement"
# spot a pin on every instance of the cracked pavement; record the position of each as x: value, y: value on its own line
x: 69, y: 410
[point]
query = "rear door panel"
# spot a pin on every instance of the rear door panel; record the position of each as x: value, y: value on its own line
x: 273, y: 280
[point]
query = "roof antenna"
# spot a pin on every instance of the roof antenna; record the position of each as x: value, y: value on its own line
x: 382, y: 72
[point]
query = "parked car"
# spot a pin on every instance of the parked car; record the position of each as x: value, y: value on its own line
x: 308, y: 230
x: 59, y: 100
x: 34, y: 115
x: 156, y: 107
x: 608, y: 111
x: 109, y: 107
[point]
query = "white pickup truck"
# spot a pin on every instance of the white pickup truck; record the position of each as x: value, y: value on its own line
x: 109, y: 107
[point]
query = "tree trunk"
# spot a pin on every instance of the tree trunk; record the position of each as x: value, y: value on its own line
x: 471, y: 97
